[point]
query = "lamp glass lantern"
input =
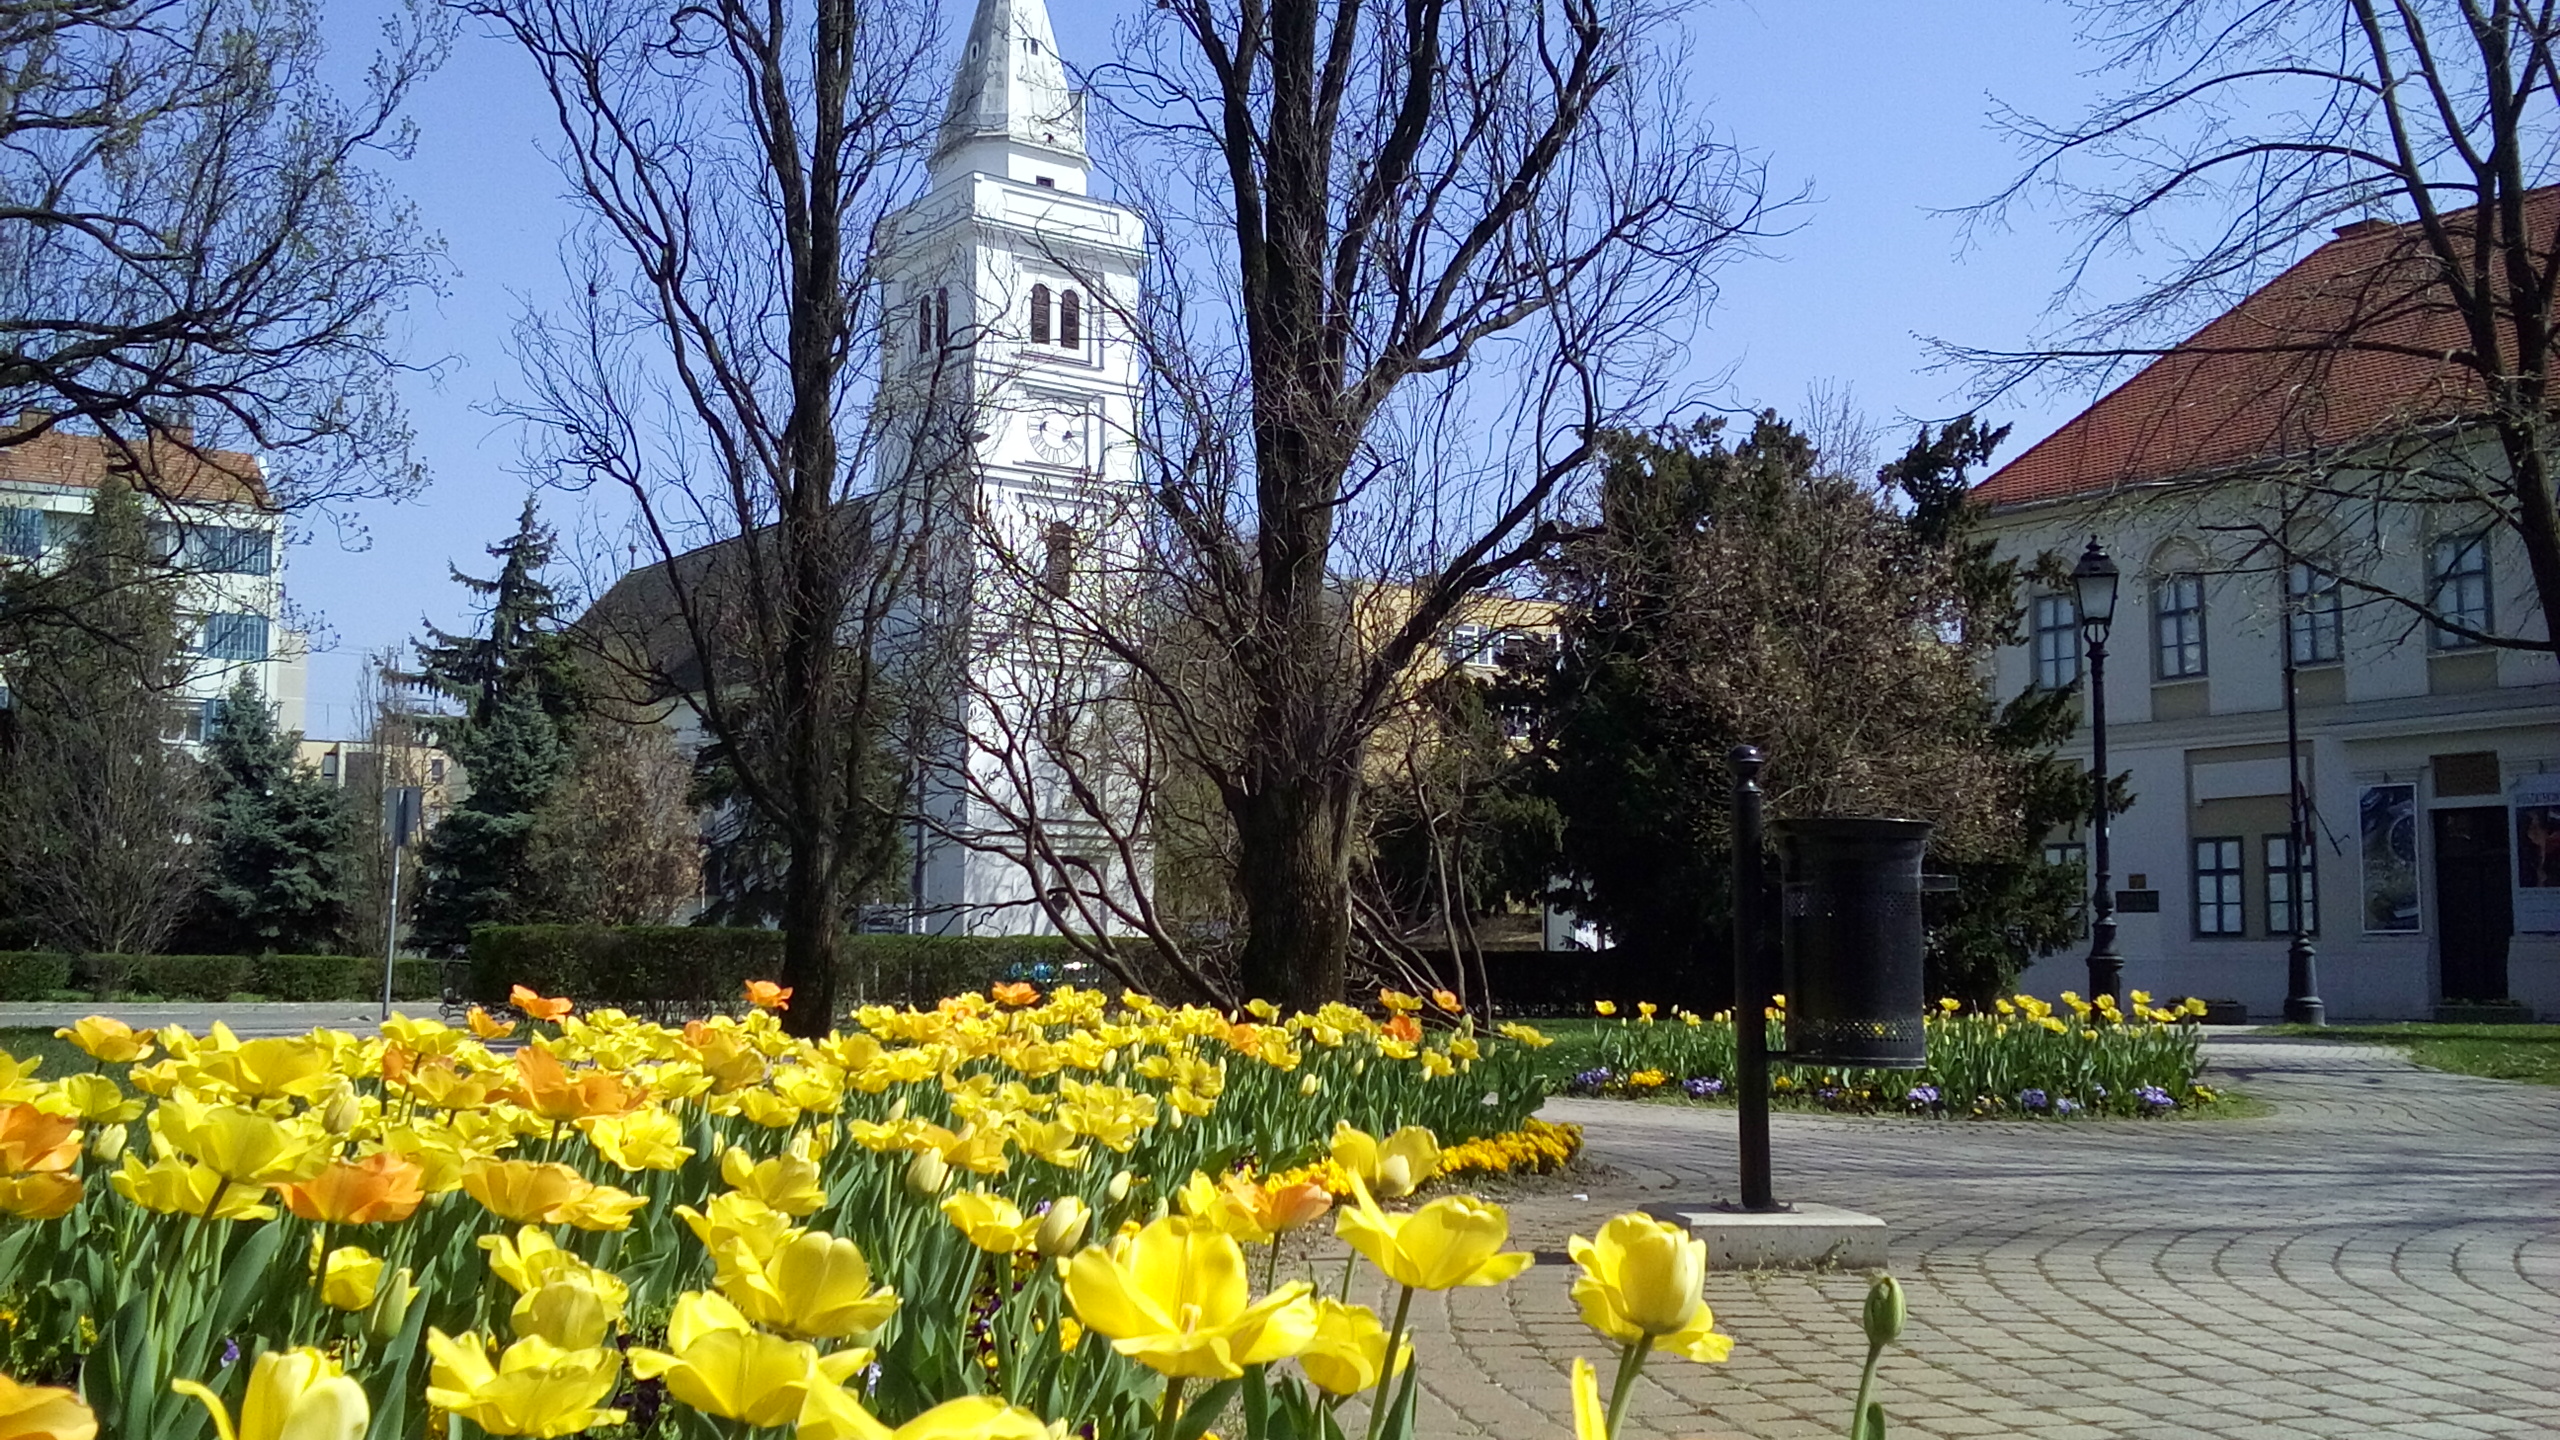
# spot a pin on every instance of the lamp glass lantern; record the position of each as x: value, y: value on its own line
x: 2093, y: 584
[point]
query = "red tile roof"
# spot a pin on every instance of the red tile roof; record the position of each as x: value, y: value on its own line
x: 169, y: 469
x: 2269, y: 378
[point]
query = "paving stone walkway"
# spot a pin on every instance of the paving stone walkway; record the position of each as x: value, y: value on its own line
x: 245, y: 1019
x: 2380, y: 1257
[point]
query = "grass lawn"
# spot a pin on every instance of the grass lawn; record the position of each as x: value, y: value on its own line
x: 2530, y: 1053
x: 60, y: 1057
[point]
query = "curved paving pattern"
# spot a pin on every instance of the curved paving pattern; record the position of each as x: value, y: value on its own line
x: 2378, y: 1258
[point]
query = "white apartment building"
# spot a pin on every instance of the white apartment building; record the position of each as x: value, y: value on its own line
x: 2430, y: 762
x: 213, y: 519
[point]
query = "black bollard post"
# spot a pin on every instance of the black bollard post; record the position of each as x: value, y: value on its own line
x: 1751, y: 987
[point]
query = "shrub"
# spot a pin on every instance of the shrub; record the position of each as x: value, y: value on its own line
x: 341, y: 977
x: 32, y: 974
x: 175, y: 977
x: 693, y: 968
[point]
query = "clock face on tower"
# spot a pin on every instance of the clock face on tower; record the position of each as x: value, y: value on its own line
x: 1058, y: 435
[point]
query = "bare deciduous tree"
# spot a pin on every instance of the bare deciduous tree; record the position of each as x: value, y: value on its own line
x: 618, y: 843
x: 1426, y: 251
x: 2250, y: 129
x: 732, y: 161
x: 191, y: 244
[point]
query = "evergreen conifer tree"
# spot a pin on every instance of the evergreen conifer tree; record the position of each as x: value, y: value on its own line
x: 276, y: 839
x: 516, y: 690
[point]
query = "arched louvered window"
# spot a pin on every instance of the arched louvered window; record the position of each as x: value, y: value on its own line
x: 1040, y: 314
x: 942, y: 317
x: 924, y: 325
x: 1071, y: 320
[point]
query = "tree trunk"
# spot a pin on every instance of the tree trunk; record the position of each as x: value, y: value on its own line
x: 809, y: 943
x: 1293, y: 844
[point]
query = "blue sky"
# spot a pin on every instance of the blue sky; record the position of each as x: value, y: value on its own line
x: 1879, y: 106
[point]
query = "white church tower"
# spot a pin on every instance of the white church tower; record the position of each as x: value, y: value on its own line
x: 1009, y: 287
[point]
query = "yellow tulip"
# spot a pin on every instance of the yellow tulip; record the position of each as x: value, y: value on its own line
x: 1349, y: 1350
x: 1062, y: 1227
x: 240, y: 1145
x: 96, y: 1099
x: 1590, y: 1417
x: 833, y: 1413
x: 350, y: 1277
x: 526, y: 1191
x: 1642, y: 1280
x: 105, y: 1040
x: 1394, y: 1167
x: 292, y: 1395
x: 600, y: 1207
x: 570, y: 1311
x: 813, y: 1285
x: 175, y: 1187
x: 642, y: 1140
x: 533, y: 1261
x: 41, y: 1196
x: 1174, y: 1298
x: 720, y: 1365
x: 1448, y: 1243
x: 736, y: 1215
x: 789, y: 1183
x: 535, y: 1388
x: 991, y: 1222
x: 43, y: 1412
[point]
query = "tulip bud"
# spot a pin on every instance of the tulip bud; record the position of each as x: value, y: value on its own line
x: 928, y: 1173
x: 390, y: 1307
x: 1395, y: 1177
x: 1118, y: 1189
x: 1062, y: 1229
x: 1884, y: 1311
x: 342, y: 1112
x: 1158, y: 1211
x: 1308, y: 1085
x: 107, y: 1142
x: 897, y: 1109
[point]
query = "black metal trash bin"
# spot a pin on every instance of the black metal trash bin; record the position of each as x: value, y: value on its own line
x: 1850, y: 923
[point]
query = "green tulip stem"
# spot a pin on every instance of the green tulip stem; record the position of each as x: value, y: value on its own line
x: 1378, y: 1405
x: 1866, y: 1387
x: 1630, y: 1365
x: 1171, y: 1412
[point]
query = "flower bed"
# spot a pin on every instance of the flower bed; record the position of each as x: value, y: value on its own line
x: 2023, y: 1057
x: 1031, y: 1209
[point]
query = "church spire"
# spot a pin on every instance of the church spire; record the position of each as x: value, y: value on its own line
x: 1010, y: 96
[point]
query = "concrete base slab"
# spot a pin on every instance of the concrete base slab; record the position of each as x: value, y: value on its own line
x: 1802, y: 1236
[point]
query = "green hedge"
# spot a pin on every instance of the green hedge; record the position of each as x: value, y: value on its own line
x: 704, y: 968
x: 306, y: 978
x: 32, y: 974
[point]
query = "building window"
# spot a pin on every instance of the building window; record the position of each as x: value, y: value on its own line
x: 942, y: 317
x: 64, y: 527
x: 2219, y: 908
x: 2177, y: 613
x: 2461, y: 590
x: 329, y: 766
x: 1058, y: 566
x: 2311, y: 615
x: 21, y: 532
x: 2057, y: 642
x: 1470, y: 644
x: 2072, y: 855
x: 1071, y: 320
x: 435, y: 770
x: 1039, y: 314
x: 189, y: 721
x: 2279, y: 857
x: 924, y: 325
x: 235, y: 637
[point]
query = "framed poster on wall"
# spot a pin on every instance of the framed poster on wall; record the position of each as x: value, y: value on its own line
x: 2537, y: 851
x: 2389, y: 816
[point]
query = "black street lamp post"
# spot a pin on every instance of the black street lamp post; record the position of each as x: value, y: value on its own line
x: 2093, y: 583
x: 2302, y: 1005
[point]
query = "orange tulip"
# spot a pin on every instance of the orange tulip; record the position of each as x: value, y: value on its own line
x: 550, y: 1092
x: 397, y: 1062
x: 1403, y: 1027
x: 525, y: 1191
x: 1015, y: 992
x: 31, y: 1140
x: 38, y: 1197
x: 1279, y: 1208
x: 1446, y: 1000
x: 537, y: 1006
x: 488, y: 1027
x: 381, y: 1187
x: 765, y: 995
